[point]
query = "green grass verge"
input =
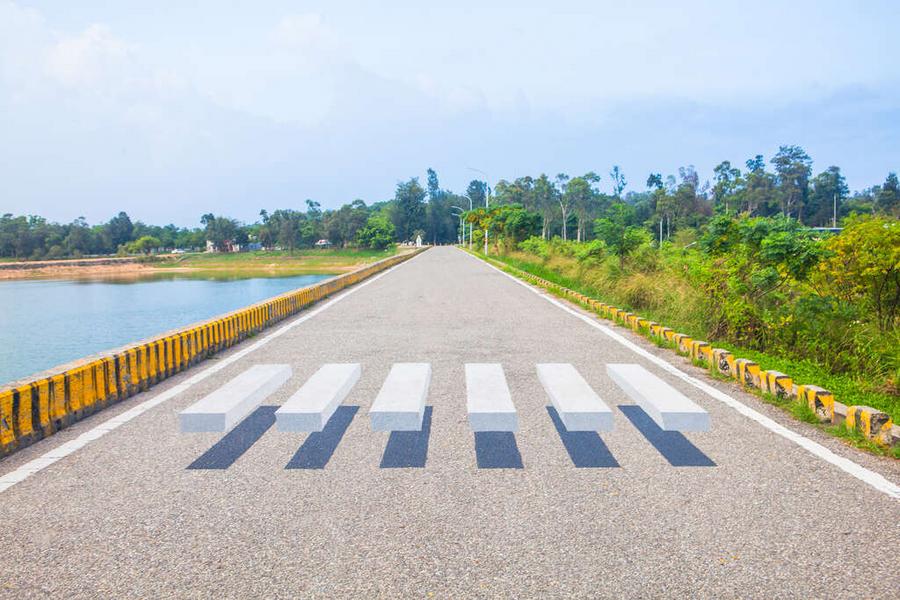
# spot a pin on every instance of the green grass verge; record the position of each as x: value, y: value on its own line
x: 326, y: 261
x: 847, y: 390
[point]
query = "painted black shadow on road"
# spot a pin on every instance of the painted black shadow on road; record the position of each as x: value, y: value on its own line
x: 585, y: 448
x: 674, y: 447
x: 497, y: 450
x: 318, y: 448
x: 408, y: 449
x: 237, y: 441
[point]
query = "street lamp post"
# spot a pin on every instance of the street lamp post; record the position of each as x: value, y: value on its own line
x: 487, y: 199
x: 462, y: 226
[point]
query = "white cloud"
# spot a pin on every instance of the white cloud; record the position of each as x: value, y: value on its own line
x: 90, y: 57
x: 305, y: 32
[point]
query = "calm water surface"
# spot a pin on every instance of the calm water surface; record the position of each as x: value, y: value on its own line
x: 47, y: 323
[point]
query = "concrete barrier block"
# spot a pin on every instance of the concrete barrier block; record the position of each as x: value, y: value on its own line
x: 7, y: 430
x: 747, y: 372
x: 697, y: 350
x: 653, y: 327
x: 778, y: 384
x: 819, y: 400
x: 871, y: 422
x: 668, y: 334
x: 682, y: 343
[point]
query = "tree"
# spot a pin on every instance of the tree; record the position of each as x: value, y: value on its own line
x: 120, y: 229
x: 545, y: 200
x: 654, y: 181
x: 434, y: 187
x: 887, y: 200
x: 828, y: 191
x: 79, y: 240
x: 792, y: 170
x: 565, y: 202
x: 581, y: 197
x: 756, y: 164
x: 864, y: 266
x: 220, y: 231
x: 408, y: 213
x: 343, y: 225
x: 620, y: 238
x: 476, y: 192
x: 618, y: 181
x: 727, y: 180
x: 144, y: 244
x: 757, y: 191
x: 378, y: 233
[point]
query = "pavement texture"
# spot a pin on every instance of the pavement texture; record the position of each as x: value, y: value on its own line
x: 147, y: 512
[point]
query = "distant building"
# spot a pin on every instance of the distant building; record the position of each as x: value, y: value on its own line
x: 323, y: 244
x: 229, y: 246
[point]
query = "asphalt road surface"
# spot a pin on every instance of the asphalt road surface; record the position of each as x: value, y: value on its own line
x: 741, y: 511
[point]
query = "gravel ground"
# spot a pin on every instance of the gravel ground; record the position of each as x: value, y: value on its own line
x: 736, y: 512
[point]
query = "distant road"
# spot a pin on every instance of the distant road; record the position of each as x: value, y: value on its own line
x: 740, y: 511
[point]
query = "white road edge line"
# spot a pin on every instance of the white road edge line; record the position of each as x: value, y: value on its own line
x: 63, y: 450
x: 876, y: 480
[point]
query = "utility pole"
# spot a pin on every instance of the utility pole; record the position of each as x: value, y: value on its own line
x: 834, y: 214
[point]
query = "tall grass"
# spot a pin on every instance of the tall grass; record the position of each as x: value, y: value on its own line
x: 664, y: 289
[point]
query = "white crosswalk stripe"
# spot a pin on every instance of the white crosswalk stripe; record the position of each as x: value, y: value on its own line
x: 310, y: 408
x: 671, y: 410
x: 578, y: 406
x: 488, y: 402
x: 228, y: 405
x: 400, y: 405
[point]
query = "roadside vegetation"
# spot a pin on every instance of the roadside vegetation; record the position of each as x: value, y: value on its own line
x: 737, y: 263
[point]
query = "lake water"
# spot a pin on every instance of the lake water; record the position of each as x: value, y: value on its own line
x: 47, y: 323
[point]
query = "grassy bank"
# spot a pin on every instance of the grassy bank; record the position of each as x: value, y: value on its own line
x: 276, y: 263
x: 676, y: 310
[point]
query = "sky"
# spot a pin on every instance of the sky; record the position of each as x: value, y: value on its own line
x: 169, y: 110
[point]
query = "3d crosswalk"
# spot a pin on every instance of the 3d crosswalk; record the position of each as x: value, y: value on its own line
x: 310, y: 408
x: 578, y: 406
x: 671, y: 410
x: 228, y: 405
x: 488, y: 402
x: 400, y: 405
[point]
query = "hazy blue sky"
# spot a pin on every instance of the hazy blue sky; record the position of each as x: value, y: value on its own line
x: 180, y: 108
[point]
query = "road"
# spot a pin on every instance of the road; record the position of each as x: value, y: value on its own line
x: 740, y: 511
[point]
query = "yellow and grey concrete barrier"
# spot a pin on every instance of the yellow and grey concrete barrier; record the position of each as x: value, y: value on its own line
x: 39, y: 406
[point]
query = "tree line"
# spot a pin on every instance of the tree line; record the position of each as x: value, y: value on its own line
x: 571, y: 207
